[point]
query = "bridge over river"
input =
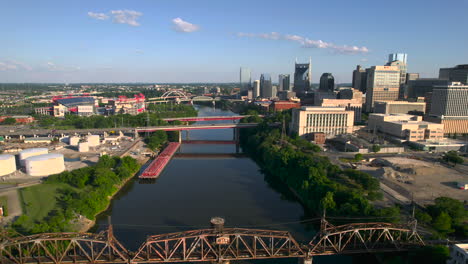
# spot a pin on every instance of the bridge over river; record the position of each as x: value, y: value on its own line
x: 216, y: 244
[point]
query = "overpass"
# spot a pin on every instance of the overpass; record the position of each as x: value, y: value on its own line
x: 217, y: 244
x: 194, y: 127
x: 206, y: 118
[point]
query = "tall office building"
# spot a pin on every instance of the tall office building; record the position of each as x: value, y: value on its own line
x: 398, y: 57
x: 383, y: 84
x: 266, y: 89
x: 458, y: 73
x: 449, y: 106
x: 327, y: 82
x: 245, y: 80
x: 399, y: 60
x: 360, y: 79
x: 256, y: 89
x: 284, y: 82
x: 302, y: 77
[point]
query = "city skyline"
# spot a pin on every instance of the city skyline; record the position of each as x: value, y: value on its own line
x: 180, y: 41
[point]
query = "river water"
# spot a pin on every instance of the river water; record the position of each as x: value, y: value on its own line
x: 192, y: 190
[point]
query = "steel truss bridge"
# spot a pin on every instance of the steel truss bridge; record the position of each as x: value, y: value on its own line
x: 217, y: 244
x: 178, y: 96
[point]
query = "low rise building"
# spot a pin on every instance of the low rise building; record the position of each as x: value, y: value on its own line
x: 284, y: 105
x: 458, y: 254
x: 407, y: 127
x: 328, y: 120
x: 399, y: 107
x: 19, y: 119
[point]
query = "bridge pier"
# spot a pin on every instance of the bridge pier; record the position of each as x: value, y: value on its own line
x: 180, y: 136
x: 306, y: 260
x: 187, y: 136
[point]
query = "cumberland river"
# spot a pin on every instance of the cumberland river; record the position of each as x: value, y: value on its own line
x: 192, y: 190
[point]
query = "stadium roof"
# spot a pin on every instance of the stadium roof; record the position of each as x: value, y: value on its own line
x: 76, y: 101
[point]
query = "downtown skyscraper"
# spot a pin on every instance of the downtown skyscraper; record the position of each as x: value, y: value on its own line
x: 245, y: 80
x: 302, y: 77
x: 266, y: 88
x: 284, y: 82
x: 327, y: 82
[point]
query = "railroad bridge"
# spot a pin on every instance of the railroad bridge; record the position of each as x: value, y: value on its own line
x: 216, y: 244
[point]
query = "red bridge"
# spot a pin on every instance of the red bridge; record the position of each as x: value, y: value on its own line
x: 217, y: 244
x: 206, y: 118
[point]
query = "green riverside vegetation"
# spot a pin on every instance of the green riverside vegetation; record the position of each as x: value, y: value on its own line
x: 155, y: 115
x: 53, y: 205
x: 315, y: 181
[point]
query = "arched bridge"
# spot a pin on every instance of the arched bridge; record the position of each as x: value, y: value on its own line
x: 215, y: 244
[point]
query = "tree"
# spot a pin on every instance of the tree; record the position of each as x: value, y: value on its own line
x: 9, y: 121
x: 453, y: 157
x: 358, y: 157
x: 443, y: 223
x: 376, y: 148
x: 327, y: 202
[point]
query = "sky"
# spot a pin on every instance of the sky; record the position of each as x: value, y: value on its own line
x: 160, y: 41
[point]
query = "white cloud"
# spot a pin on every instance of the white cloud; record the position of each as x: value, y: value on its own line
x: 128, y: 17
x: 53, y: 67
x: 98, y: 16
x: 9, y: 65
x: 308, y: 43
x: 184, y: 26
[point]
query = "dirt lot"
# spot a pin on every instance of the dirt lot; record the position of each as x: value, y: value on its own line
x: 419, y: 179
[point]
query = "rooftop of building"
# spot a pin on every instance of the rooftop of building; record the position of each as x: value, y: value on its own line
x: 462, y: 246
x: 323, y: 108
x: 452, y: 85
x: 399, y: 102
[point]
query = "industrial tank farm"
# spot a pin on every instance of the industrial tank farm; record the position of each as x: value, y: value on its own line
x: 44, y: 165
x: 7, y: 164
x: 30, y: 153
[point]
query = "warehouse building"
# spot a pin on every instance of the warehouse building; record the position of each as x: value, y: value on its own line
x: 407, y: 127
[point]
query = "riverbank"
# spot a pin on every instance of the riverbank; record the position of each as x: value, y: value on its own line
x: 71, y: 200
x: 312, y: 178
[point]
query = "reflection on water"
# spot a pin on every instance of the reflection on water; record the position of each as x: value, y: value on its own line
x: 192, y: 190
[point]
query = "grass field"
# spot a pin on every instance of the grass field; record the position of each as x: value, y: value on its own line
x: 37, y: 201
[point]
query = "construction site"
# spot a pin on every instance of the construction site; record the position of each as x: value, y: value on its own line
x: 409, y: 179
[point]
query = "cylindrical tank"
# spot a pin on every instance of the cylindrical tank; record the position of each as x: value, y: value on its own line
x: 83, y: 147
x: 94, y: 140
x: 7, y: 164
x: 31, y: 152
x: 45, y: 165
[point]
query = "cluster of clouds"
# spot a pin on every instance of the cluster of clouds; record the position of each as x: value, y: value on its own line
x: 16, y: 66
x: 308, y: 43
x: 130, y: 17
x: 9, y: 65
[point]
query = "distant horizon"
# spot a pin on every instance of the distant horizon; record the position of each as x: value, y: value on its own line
x: 182, y: 41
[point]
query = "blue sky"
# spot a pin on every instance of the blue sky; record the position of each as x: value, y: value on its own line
x: 208, y: 40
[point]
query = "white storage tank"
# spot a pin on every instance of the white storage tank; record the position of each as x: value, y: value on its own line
x: 94, y: 140
x: 7, y: 164
x: 30, y: 153
x: 45, y: 165
x: 83, y: 147
x: 73, y: 140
